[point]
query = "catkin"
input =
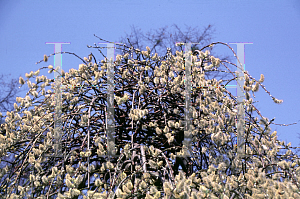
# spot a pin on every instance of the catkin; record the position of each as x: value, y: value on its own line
x: 262, y: 78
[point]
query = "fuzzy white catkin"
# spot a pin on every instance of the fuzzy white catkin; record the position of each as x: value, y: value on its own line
x: 158, y: 131
x: 19, y: 99
x: 177, y: 125
x: 255, y: 87
x: 262, y: 78
x: 98, y: 182
x: 277, y: 101
x: 166, y: 129
x: 29, y: 84
x: 171, y: 123
x: 21, y: 80
x: 156, y: 80
x: 195, y: 114
x: 163, y: 81
x: 35, y: 94
x: 69, y: 183
x: 27, y: 75
x: 36, y: 73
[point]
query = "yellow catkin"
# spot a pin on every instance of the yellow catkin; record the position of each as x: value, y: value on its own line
x: 262, y: 78
x: 45, y: 58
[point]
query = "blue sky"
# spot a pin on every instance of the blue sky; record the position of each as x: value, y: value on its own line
x: 272, y: 26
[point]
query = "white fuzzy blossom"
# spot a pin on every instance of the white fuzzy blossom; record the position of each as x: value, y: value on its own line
x: 21, y: 80
x: 156, y: 80
x: 158, y: 131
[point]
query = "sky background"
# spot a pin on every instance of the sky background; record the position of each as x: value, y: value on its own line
x: 272, y: 26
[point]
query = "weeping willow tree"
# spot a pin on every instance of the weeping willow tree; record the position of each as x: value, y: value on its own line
x: 149, y: 160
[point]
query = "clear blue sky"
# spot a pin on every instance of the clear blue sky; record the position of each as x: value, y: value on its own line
x: 272, y: 26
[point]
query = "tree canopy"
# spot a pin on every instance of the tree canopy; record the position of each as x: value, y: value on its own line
x: 149, y: 134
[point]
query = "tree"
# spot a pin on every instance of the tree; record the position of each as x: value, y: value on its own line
x: 149, y: 114
x: 164, y: 39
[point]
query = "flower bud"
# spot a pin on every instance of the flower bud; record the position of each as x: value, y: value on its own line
x: 21, y: 81
x: 148, y: 49
x: 36, y: 73
x: 166, y: 129
x: 256, y: 87
x: 158, y: 131
x: 45, y: 58
x: 262, y: 78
